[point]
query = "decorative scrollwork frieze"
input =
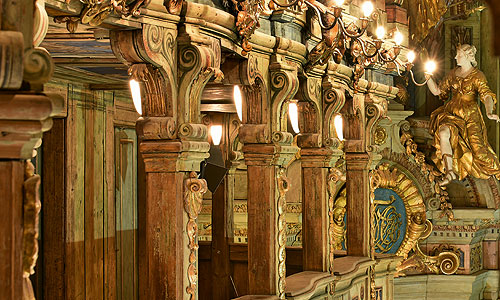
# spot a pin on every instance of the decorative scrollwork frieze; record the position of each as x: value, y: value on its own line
x: 194, y: 189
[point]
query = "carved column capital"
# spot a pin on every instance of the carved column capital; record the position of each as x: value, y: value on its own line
x: 23, y: 119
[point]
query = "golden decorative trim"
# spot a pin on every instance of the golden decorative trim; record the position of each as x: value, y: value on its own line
x: 443, y: 260
x: 441, y: 199
x: 380, y: 135
x: 31, y: 210
x: 194, y: 189
x: 283, y: 186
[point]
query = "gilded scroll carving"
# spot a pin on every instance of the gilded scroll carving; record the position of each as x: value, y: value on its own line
x: 443, y: 261
x: 441, y: 198
x: 283, y: 186
x: 193, y: 195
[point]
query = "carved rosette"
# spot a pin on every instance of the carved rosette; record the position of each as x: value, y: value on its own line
x: 283, y: 186
x: 193, y: 195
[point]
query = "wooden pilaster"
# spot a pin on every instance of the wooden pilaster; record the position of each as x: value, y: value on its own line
x: 358, y: 204
x: 314, y: 210
x: 11, y: 230
x: 262, y: 213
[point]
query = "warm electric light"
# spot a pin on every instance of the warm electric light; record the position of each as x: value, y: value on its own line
x: 430, y: 67
x: 135, y: 89
x: 338, y: 123
x: 380, y: 32
x: 238, y: 101
x: 339, y: 3
x: 294, y: 116
x: 367, y: 8
x: 410, y: 56
x: 216, y: 133
x: 398, y: 38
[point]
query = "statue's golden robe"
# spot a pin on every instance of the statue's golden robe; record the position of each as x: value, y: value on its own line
x: 472, y: 154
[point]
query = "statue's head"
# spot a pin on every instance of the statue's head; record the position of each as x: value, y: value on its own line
x: 466, y: 54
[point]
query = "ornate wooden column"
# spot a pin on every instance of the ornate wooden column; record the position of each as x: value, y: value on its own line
x: 173, y: 66
x: 319, y: 152
x: 267, y: 157
x: 362, y: 112
x: 25, y: 112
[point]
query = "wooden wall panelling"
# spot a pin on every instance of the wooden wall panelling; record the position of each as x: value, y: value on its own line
x: 52, y: 265
x: 75, y: 195
x: 94, y: 202
x: 110, y: 266
x: 126, y: 213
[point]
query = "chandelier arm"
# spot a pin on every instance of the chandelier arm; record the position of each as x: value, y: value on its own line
x: 365, y: 53
x: 318, y: 13
x: 352, y: 36
x: 285, y: 5
x: 382, y: 58
x: 416, y: 83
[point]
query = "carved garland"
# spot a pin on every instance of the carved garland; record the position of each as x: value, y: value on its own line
x: 193, y: 195
x: 283, y: 186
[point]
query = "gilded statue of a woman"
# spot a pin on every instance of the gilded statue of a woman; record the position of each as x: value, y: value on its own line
x: 458, y: 127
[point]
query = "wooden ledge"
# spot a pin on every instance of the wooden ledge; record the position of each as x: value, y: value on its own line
x: 349, y: 264
x: 306, y: 282
x: 257, y: 297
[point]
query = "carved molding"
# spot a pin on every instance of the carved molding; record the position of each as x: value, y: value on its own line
x: 193, y: 196
x: 11, y: 61
x: 310, y: 105
x: 156, y: 96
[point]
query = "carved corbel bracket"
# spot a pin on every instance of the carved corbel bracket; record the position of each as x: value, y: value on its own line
x: 150, y: 53
x: 284, y: 86
x: 309, y: 106
x: 11, y: 61
x: 375, y: 110
x: 333, y: 102
x: 199, y: 60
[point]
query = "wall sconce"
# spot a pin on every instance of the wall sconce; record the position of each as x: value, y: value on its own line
x: 216, y: 134
x: 135, y: 90
x: 293, y: 112
x: 339, y: 127
x: 238, y: 101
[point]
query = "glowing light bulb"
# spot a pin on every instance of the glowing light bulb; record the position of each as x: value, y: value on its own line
x: 380, y: 32
x: 430, y: 67
x: 367, y: 8
x: 238, y: 101
x: 339, y: 3
x: 135, y: 89
x: 294, y: 116
x: 339, y: 129
x: 216, y: 134
x: 410, y: 56
x: 398, y: 38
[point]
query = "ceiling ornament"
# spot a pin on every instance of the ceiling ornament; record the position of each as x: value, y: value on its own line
x: 94, y: 12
